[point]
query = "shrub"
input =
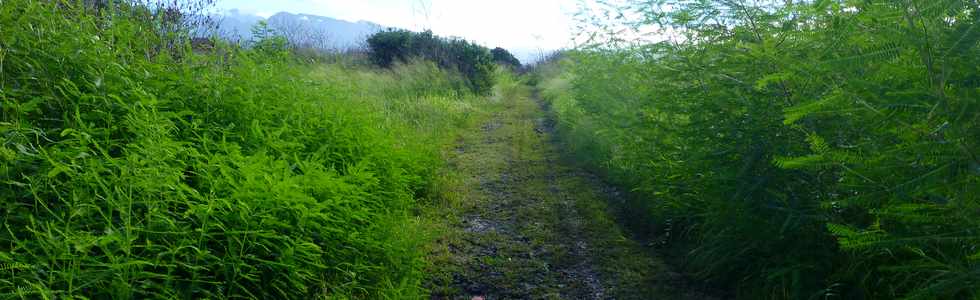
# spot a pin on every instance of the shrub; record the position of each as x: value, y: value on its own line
x: 390, y: 46
x: 131, y: 174
x: 267, y: 42
x: 472, y: 61
x: 503, y: 57
x: 821, y: 149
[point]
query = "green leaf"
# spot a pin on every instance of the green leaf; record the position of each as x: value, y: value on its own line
x: 57, y: 170
x: 800, y: 162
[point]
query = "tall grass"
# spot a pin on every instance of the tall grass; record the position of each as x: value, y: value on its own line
x: 133, y: 173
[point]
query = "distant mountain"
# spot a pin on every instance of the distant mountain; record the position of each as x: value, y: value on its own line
x: 235, y: 25
x: 528, y: 55
x: 304, y: 29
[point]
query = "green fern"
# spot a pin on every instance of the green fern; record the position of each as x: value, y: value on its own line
x: 847, y: 127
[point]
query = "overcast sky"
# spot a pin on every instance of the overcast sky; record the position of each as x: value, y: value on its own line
x: 521, y: 25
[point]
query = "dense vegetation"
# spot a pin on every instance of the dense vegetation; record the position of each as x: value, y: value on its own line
x: 782, y: 150
x: 791, y: 149
x: 503, y: 57
x: 131, y: 170
x: 472, y: 61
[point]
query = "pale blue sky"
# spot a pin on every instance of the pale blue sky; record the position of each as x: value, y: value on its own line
x: 522, y: 25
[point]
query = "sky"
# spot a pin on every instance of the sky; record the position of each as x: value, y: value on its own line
x: 517, y: 25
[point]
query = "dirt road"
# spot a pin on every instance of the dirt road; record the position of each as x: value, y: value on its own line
x: 523, y: 224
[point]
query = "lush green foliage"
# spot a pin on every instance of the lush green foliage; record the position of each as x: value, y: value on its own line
x: 267, y: 43
x: 471, y: 60
x: 503, y: 57
x: 133, y: 173
x: 797, y: 149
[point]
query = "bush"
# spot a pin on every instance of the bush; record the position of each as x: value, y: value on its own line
x: 503, y: 57
x: 267, y: 43
x: 823, y: 149
x: 388, y: 47
x: 472, y: 61
x: 131, y: 174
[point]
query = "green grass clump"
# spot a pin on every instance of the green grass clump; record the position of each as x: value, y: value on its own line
x: 128, y: 171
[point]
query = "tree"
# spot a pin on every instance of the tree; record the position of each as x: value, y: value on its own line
x: 267, y: 41
x: 389, y: 46
x: 504, y: 57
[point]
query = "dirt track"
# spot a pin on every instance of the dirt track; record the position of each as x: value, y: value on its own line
x: 526, y: 225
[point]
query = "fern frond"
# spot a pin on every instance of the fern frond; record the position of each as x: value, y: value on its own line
x: 13, y: 266
x: 800, y: 162
x: 795, y: 113
x: 849, y: 238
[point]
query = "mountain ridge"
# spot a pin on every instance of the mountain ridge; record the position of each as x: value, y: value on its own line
x: 321, y: 32
x: 300, y: 28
